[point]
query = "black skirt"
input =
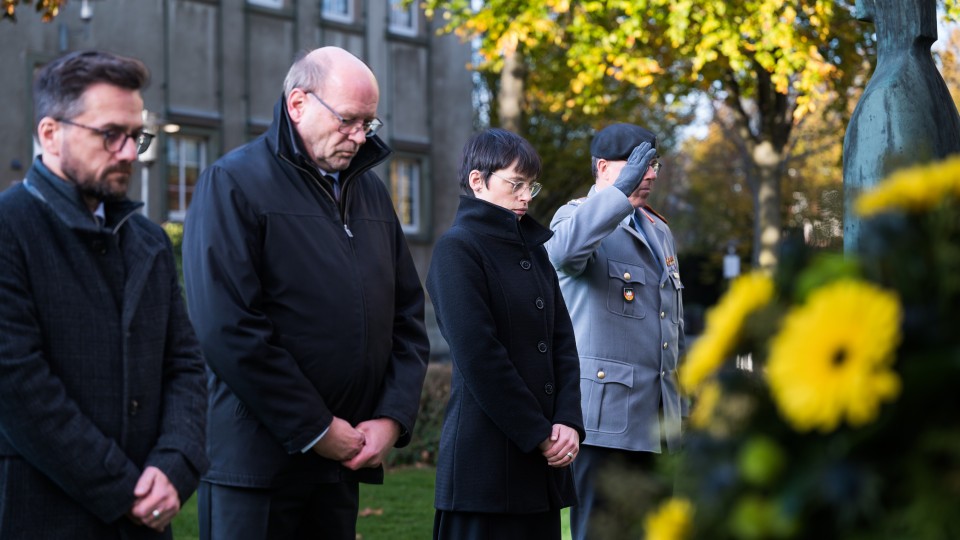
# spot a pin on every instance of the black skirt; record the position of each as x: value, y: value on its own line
x: 484, y: 526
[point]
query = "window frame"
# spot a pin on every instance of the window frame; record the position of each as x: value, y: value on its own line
x: 268, y: 4
x: 206, y: 140
x: 348, y: 18
x: 420, y: 196
x: 413, y: 29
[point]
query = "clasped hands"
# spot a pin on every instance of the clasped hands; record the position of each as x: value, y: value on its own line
x: 156, y: 501
x: 561, y: 447
x: 363, y: 446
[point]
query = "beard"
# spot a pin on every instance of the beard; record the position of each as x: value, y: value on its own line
x: 110, y: 184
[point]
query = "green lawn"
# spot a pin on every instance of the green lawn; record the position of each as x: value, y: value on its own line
x: 400, y: 509
x: 185, y: 525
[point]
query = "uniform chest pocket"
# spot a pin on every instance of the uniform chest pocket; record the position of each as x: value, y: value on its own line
x: 625, y: 288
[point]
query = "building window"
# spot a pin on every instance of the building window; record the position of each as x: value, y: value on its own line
x: 403, y: 18
x: 186, y: 157
x: 275, y: 4
x: 338, y: 10
x: 405, y: 174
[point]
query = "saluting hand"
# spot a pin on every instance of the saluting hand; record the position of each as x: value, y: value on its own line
x: 637, y: 164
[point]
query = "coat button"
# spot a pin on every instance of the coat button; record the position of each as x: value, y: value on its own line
x: 663, y: 314
x: 542, y: 347
x: 664, y: 284
x: 626, y: 276
x: 539, y: 303
x: 548, y: 388
x: 601, y: 374
x: 525, y: 264
x: 663, y: 373
x: 134, y: 407
x: 665, y: 345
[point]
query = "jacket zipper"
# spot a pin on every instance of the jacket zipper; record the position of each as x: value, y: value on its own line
x: 343, y: 190
x: 340, y: 207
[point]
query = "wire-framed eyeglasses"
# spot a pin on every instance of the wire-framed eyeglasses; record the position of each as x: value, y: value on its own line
x: 655, y: 165
x: 518, y: 187
x: 349, y: 127
x: 115, y: 139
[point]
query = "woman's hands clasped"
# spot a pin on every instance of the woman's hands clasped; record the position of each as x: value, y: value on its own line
x: 561, y: 447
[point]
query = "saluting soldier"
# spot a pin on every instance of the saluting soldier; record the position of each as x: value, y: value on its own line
x: 617, y: 264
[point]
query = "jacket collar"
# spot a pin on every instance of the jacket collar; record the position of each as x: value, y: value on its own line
x: 489, y: 219
x: 286, y: 142
x: 66, y: 202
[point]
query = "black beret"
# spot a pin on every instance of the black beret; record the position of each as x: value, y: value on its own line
x: 617, y: 141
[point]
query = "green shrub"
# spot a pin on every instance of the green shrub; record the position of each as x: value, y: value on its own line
x: 175, y: 231
x: 426, y: 433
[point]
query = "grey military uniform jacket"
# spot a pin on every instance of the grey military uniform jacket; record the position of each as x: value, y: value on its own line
x: 625, y: 299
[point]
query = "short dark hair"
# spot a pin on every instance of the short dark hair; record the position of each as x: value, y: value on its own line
x: 493, y: 149
x: 59, y: 85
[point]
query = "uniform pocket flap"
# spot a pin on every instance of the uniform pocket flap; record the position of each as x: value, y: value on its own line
x: 603, y: 371
x: 629, y: 273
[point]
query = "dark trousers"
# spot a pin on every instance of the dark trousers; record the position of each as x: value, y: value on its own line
x: 588, y: 469
x: 295, y: 512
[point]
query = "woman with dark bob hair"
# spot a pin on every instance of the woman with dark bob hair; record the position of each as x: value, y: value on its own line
x: 513, y: 424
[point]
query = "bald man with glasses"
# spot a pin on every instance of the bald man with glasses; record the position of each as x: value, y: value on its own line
x: 309, y: 310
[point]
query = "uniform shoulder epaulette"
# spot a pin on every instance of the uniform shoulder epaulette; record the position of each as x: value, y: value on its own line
x: 577, y: 202
x: 654, y: 212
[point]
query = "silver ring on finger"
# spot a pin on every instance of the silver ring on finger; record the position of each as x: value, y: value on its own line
x: 570, y: 455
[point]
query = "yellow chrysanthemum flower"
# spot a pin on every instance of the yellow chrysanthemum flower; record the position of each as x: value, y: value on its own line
x: 673, y: 520
x: 724, y: 321
x: 705, y: 406
x: 831, y: 360
x: 915, y: 189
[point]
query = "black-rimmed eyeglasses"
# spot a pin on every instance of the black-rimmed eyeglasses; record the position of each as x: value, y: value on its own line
x: 114, y: 139
x: 349, y: 127
x: 518, y: 187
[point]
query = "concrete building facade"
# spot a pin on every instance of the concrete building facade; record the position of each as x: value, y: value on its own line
x: 217, y: 69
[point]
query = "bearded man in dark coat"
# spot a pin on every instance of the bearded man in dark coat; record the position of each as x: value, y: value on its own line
x: 101, y: 379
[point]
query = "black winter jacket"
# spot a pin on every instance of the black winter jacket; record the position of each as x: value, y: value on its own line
x: 305, y: 308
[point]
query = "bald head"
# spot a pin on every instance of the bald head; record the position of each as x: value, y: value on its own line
x: 316, y: 69
x: 331, y: 100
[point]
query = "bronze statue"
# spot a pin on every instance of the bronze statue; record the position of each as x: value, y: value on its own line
x: 906, y: 115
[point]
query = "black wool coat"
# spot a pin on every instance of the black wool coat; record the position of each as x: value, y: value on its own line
x: 515, y: 367
x: 100, y: 373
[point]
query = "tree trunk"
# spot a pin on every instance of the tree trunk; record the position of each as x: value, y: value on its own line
x: 510, y: 97
x: 764, y: 130
x: 767, y: 197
